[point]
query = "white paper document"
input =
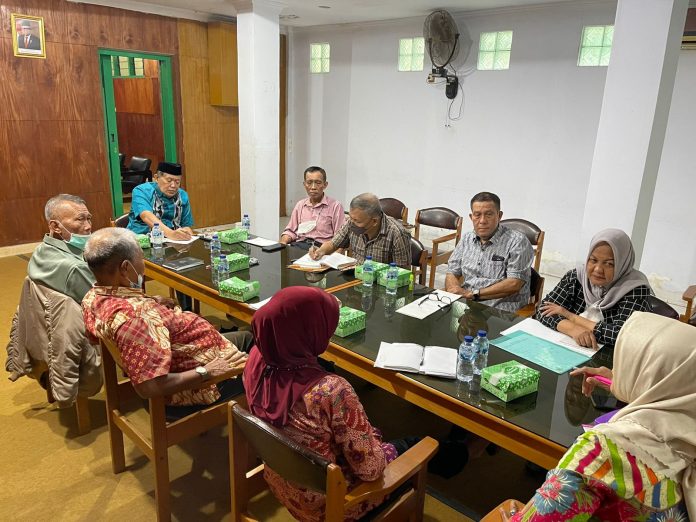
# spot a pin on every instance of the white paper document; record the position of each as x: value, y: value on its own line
x: 428, y: 304
x: 437, y: 361
x: 336, y: 261
x: 535, y: 328
x: 180, y: 241
x: 258, y: 305
x: 260, y: 242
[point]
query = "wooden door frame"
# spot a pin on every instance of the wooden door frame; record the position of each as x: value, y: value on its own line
x: 110, y: 128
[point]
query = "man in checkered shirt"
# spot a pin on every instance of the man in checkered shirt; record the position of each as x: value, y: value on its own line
x: 491, y: 263
x: 164, y: 350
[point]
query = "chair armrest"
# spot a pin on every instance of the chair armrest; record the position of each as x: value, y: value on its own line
x: 689, y: 294
x: 442, y: 239
x: 396, y: 473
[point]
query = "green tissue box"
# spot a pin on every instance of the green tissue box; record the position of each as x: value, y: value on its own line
x: 237, y: 262
x: 350, y: 321
x: 143, y: 240
x: 403, y: 279
x: 238, y: 289
x: 509, y: 380
x: 233, y: 235
x: 378, y: 268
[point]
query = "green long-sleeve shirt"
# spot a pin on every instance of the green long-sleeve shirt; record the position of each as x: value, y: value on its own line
x: 60, y: 267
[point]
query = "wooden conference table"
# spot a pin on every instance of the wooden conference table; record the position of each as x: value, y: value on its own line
x: 538, y: 427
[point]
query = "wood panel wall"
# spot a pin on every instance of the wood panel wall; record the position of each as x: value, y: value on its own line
x: 139, y: 118
x: 211, y: 135
x: 51, y: 116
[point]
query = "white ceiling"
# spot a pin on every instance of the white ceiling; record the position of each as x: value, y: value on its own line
x: 309, y: 13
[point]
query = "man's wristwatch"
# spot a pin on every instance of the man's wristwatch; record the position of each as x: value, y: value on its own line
x: 476, y: 294
x: 203, y: 372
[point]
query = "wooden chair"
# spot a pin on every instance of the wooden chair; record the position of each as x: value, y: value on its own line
x: 419, y: 260
x: 162, y: 434
x: 439, y: 217
x: 250, y: 436
x: 533, y: 233
x: 494, y: 514
x: 689, y: 316
x: 536, y: 291
x: 396, y: 209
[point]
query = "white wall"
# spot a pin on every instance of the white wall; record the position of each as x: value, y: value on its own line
x: 527, y: 133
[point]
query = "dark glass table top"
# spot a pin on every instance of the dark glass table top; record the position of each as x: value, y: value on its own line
x: 271, y: 272
x: 556, y: 411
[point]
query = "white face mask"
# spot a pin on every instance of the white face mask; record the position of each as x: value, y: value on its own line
x: 139, y: 283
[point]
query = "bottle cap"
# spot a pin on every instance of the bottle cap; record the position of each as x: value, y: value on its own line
x: 223, y: 256
x: 468, y: 339
x: 369, y: 258
x: 392, y: 263
x: 482, y: 333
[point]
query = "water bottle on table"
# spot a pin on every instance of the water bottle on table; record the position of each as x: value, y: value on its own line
x: 157, y: 236
x: 368, y: 272
x: 246, y: 222
x: 223, y: 268
x: 465, y: 361
x: 480, y: 360
x: 215, y: 249
x: 392, y: 278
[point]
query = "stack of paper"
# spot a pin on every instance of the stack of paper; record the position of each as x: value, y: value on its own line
x: 409, y: 357
x: 535, y: 328
x: 260, y: 242
x: 429, y: 304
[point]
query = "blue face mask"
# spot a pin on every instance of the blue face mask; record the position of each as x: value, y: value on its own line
x: 76, y: 240
x: 139, y: 283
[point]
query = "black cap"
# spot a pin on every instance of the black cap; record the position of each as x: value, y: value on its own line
x: 169, y: 168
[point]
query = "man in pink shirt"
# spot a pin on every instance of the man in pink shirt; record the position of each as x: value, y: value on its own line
x: 316, y: 218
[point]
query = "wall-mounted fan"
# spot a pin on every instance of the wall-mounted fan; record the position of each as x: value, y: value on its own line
x: 441, y: 37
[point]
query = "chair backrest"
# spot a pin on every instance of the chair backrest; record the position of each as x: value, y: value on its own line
x: 419, y: 253
x: 439, y: 217
x: 121, y: 221
x: 533, y: 233
x: 139, y: 164
x: 290, y: 460
x: 122, y: 160
x: 659, y: 307
x: 394, y: 208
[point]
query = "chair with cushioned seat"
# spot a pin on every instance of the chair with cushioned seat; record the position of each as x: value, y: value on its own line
x: 396, y: 209
x: 419, y: 260
x: 138, y: 172
x: 162, y: 434
x: 536, y: 290
x: 439, y: 217
x: 120, y: 222
x: 250, y: 437
x: 659, y: 307
x: 533, y: 233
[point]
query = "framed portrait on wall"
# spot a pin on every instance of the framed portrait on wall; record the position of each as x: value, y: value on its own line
x: 28, y: 36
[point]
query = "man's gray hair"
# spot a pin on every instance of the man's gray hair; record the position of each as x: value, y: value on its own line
x: 108, y: 247
x: 368, y: 203
x: 56, y: 201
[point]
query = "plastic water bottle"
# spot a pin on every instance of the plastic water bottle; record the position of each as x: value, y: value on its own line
x: 368, y: 272
x: 215, y: 249
x: 392, y: 278
x: 223, y: 268
x: 246, y: 222
x: 157, y: 236
x: 482, y: 346
x: 465, y: 362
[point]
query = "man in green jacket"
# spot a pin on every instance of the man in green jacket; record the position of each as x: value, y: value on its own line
x: 57, y: 262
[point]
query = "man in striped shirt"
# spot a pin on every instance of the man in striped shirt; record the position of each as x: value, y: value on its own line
x: 491, y: 263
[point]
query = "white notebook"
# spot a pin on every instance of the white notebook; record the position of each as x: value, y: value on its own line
x: 409, y: 357
x: 336, y: 261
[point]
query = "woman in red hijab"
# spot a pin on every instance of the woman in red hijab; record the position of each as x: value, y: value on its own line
x: 286, y: 386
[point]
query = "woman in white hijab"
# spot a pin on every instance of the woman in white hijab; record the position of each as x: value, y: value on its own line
x: 592, y: 302
x: 641, y: 465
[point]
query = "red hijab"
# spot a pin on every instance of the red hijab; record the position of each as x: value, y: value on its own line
x: 291, y: 330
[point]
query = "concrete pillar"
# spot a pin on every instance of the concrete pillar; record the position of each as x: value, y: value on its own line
x: 258, y: 48
x: 635, y: 108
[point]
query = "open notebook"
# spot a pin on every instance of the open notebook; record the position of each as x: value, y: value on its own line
x: 409, y: 357
x: 336, y: 261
